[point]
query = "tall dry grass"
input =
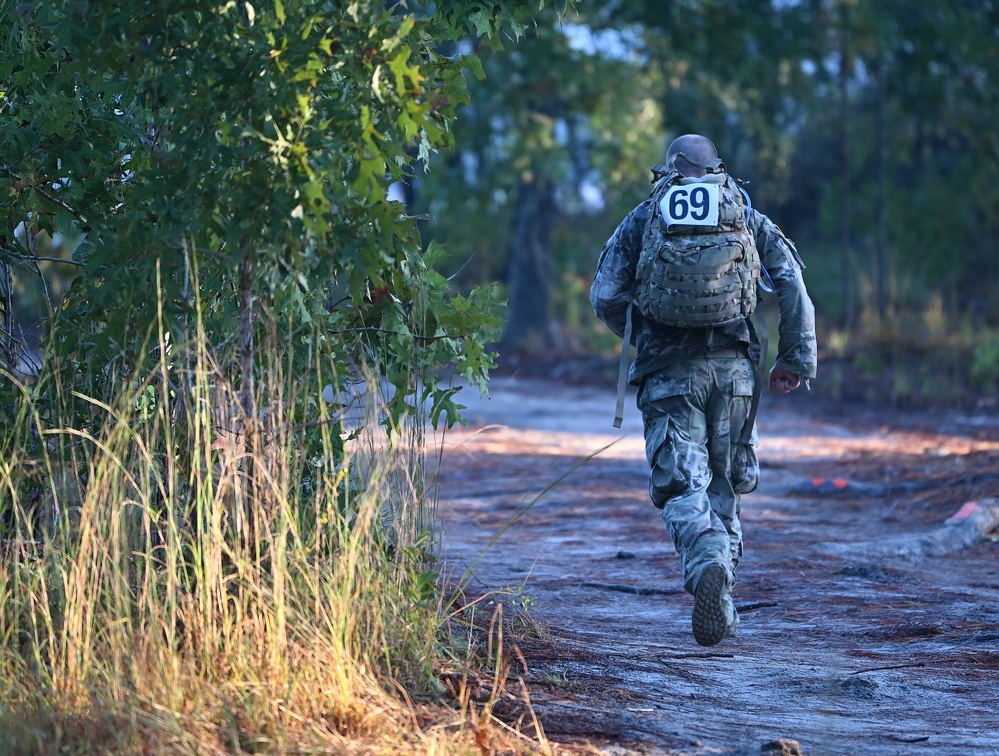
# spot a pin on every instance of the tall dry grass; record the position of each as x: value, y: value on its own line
x: 177, y: 579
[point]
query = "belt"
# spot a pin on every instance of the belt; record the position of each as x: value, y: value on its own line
x: 736, y: 350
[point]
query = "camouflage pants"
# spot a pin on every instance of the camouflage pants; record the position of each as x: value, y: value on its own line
x: 694, y: 414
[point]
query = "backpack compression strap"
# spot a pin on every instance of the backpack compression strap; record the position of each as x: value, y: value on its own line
x: 622, y: 375
x: 760, y: 320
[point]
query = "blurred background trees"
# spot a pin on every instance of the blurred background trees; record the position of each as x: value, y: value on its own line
x: 863, y: 126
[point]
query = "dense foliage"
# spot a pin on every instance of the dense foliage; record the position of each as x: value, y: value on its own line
x: 235, y: 158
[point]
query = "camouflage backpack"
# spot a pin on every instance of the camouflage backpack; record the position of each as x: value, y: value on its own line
x: 699, y: 265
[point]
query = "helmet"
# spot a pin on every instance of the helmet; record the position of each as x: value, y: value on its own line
x: 693, y: 155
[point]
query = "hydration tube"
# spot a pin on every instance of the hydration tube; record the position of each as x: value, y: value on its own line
x: 768, y: 287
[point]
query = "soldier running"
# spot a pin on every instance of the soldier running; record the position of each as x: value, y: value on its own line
x: 678, y: 280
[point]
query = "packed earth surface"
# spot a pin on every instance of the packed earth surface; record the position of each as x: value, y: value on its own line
x: 869, y: 588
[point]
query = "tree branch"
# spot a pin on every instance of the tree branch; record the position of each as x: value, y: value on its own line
x: 75, y: 213
x: 336, y: 331
x: 15, y: 256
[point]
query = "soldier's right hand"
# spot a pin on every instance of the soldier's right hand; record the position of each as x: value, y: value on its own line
x: 783, y: 381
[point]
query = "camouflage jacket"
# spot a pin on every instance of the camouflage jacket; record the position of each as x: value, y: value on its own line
x: 659, y: 346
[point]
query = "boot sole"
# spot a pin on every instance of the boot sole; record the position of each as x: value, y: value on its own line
x: 709, y: 621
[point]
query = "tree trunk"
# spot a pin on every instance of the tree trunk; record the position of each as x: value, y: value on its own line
x: 8, y: 343
x: 845, y: 66
x: 529, y: 275
x: 247, y: 401
x: 882, y: 211
x: 246, y: 342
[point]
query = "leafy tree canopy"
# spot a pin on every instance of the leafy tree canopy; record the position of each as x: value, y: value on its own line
x: 204, y: 152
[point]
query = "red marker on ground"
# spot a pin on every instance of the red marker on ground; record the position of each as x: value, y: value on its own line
x: 965, y: 511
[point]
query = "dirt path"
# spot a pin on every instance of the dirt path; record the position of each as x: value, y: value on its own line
x: 860, y: 634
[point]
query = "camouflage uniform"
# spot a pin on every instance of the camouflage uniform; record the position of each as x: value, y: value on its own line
x: 695, y: 391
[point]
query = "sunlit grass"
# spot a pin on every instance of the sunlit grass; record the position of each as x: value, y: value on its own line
x: 928, y: 357
x: 177, y: 579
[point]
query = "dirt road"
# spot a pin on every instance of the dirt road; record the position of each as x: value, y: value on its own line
x: 869, y: 626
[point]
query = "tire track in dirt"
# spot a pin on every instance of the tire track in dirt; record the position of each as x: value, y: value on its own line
x: 859, y: 652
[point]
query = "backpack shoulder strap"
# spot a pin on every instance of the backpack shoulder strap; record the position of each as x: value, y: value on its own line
x: 660, y: 172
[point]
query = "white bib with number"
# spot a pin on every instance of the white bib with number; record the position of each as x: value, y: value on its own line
x: 691, y: 205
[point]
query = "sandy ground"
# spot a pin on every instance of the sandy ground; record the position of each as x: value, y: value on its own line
x: 869, y: 626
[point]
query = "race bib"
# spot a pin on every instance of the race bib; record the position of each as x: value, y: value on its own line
x: 691, y: 205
